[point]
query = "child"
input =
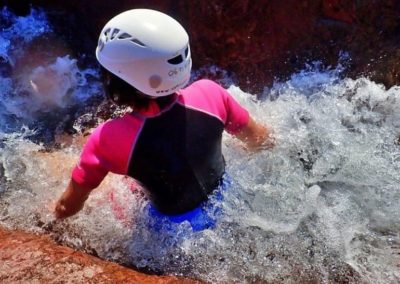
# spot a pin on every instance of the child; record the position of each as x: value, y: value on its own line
x: 171, y: 141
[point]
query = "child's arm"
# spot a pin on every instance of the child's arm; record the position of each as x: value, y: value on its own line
x: 256, y: 136
x: 71, y: 201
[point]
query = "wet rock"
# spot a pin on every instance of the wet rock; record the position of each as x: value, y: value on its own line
x: 340, y: 10
x: 27, y: 258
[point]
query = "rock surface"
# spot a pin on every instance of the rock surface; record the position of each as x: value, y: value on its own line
x: 258, y: 41
x: 28, y: 258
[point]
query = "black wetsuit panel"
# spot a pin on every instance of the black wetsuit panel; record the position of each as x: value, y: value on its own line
x: 178, y: 158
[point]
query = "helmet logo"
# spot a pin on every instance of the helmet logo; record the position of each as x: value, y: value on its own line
x: 173, y: 72
x: 155, y: 81
x: 181, y: 69
x: 174, y: 87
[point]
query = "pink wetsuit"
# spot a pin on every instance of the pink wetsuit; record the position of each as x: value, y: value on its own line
x: 174, y: 152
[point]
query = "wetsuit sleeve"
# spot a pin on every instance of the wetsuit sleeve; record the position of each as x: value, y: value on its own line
x: 92, y: 167
x: 228, y: 109
x: 237, y: 116
x: 108, y: 149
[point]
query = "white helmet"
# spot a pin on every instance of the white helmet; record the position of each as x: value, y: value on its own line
x: 147, y: 49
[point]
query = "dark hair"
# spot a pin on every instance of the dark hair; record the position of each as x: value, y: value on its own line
x: 122, y: 93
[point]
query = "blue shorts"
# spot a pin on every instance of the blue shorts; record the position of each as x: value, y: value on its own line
x: 202, y: 217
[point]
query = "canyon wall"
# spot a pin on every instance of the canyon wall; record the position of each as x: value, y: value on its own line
x: 258, y: 41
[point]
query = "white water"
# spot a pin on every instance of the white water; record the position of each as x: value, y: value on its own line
x: 323, y: 206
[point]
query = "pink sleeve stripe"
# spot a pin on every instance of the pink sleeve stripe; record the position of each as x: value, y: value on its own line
x: 203, y: 111
x: 137, y: 131
x: 209, y: 97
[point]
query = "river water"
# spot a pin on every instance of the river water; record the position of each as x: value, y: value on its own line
x: 321, y: 207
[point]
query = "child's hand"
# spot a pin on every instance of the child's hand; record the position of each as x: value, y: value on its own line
x: 71, y: 201
x: 257, y: 136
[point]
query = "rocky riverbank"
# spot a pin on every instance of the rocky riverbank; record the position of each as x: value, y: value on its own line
x: 29, y: 258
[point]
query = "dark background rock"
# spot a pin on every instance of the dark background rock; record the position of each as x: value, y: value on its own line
x: 260, y: 40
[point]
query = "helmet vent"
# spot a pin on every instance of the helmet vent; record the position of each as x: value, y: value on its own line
x: 138, y: 42
x: 176, y: 60
x: 106, y: 34
x: 186, y: 52
x: 100, y: 45
x: 114, y: 33
x: 124, y: 36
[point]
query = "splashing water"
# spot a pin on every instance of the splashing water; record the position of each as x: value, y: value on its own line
x: 18, y: 31
x: 48, y: 88
x: 323, y: 206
